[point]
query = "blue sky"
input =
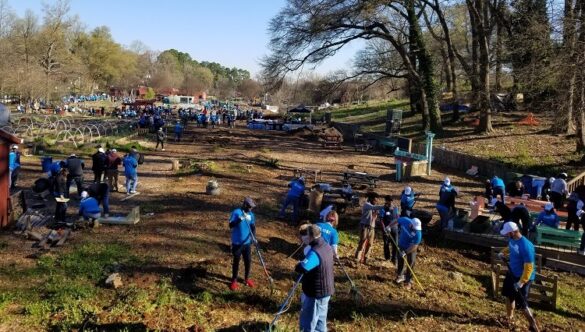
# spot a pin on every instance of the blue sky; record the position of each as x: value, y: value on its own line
x: 230, y: 32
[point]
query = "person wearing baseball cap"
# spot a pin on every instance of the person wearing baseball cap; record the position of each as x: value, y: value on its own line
x: 88, y: 207
x: 242, y: 222
x: 407, y: 201
x: 296, y: 191
x: 559, y: 190
x: 408, y: 241
x: 446, y: 204
x: 521, y: 272
x: 13, y: 166
x: 548, y: 217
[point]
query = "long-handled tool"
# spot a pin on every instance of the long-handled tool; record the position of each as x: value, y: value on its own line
x: 354, y: 291
x: 261, y: 259
x: 297, y: 250
x: 524, y: 301
x: 286, y: 304
x: 403, y: 254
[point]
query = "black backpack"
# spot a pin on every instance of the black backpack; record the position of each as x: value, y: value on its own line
x: 141, y: 159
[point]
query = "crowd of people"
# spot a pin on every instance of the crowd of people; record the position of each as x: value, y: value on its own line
x: 106, y: 168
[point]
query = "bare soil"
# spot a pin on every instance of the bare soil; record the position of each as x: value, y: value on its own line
x: 183, y: 241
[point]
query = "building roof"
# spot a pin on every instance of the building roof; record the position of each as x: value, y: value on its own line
x: 10, y: 138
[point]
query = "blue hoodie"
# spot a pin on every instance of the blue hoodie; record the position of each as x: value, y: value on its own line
x: 130, y: 165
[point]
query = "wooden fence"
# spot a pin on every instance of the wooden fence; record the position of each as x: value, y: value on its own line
x: 575, y: 182
x: 463, y: 162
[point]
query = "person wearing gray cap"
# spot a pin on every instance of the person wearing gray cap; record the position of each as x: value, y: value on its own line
x: 559, y: 190
x: 242, y: 224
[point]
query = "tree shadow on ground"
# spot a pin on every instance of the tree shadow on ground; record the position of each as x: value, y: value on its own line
x: 249, y: 326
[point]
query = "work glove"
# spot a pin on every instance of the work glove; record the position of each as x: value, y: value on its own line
x: 402, y: 254
x: 501, y: 256
x: 388, y: 229
x: 518, y: 285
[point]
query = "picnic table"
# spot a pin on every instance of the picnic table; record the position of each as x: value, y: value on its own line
x: 360, y: 178
x: 533, y: 205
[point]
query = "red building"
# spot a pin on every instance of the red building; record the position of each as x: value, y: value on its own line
x: 6, y: 140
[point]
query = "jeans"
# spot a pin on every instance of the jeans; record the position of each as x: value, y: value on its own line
x: 13, y: 177
x: 444, y: 214
x: 162, y: 144
x: 295, y: 203
x: 313, y: 314
x: 572, y: 219
x: 404, y: 270
x: 241, y: 250
x: 388, y: 243
x: 131, y: 183
x: 557, y: 199
x: 500, y: 191
x: 178, y: 137
x: 78, y: 182
x: 89, y: 216
x: 106, y: 203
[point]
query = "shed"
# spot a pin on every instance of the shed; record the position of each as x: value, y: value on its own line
x: 6, y: 140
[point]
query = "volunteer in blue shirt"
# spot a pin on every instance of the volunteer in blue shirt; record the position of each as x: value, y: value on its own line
x: 389, y: 218
x: 13, y: 166
x: 521, y: 274
x: 318, y: 282
x: 131, y: 173
x: 296, y: 191
x: 499, y: 188
x: 446, y: 203
x: 178, y: 131
x: 242, y: 222
x: 329, y: 231
x: 548, y: 217
x: 408, y: 241
x: 407, y: 200
x: 88, y: 207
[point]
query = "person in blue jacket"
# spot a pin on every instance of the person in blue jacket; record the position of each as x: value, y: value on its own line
x: 499, y: 188
x: 178, y: 131
x: 408, y: 241
x: 329, y: 230
x: 131, y: 173
x: 548, y: 217
x: 295, y: 193
x: 242, y: 224
x: 88, y: 207
x: 13, y: 166
x: 446, y: 204
x: 407, y: 201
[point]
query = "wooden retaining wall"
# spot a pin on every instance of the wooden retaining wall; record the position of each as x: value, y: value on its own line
x: 463, y: 162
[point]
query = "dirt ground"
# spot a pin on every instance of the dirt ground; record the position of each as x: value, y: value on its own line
x: 182, y: 246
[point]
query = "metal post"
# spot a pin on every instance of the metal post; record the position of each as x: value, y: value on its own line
x: 429, y: 151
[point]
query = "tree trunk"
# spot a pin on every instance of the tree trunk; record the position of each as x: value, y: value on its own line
x: 426, y: 70
x: 498, y: 51
x: 479, y: 9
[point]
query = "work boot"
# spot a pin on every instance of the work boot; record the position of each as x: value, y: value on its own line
x: 234, y: 285
x: 250, y: 283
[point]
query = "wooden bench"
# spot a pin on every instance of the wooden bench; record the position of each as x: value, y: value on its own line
x: 360, y: 178
x: 543, y: 290
x: 331, y: 141
x: 557, y: 237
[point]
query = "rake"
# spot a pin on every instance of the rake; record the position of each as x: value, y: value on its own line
x: 286, y: 304
x: 261, y: 259
x: 356, y: 295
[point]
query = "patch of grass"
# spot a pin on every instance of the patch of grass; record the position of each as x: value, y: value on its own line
x: 348, y: 238
x: 152, y: 208
x: 272, y: 163
x: 3, y: 245
x: 237, y: 168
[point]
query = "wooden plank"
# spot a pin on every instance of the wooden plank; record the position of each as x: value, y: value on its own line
x: 565, y: 266
x: 130, y: 196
